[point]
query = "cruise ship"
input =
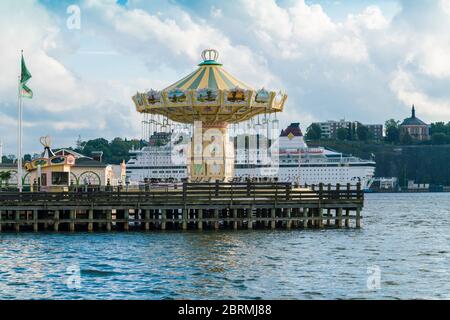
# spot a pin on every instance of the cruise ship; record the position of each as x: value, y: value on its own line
x: 291, y: 161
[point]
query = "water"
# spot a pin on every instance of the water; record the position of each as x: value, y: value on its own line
x: 406, y: 237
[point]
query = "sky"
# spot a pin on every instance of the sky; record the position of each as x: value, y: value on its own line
x: 360, y: 60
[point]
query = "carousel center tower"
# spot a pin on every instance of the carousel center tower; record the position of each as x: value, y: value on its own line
x: 209, y: 98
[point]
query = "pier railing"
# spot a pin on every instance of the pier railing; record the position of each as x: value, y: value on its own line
x: 196, y: 194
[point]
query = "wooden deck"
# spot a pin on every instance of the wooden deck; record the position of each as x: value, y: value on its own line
x: 194, y: 206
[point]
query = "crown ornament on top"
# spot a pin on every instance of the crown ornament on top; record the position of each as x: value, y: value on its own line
x: 210, y: 54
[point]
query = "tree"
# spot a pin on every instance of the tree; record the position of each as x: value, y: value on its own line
x: 406, y: 138
x: 5, y: 159
x: 440, y: 127
x: 4, y: 177
x: 114, y: 152
x: 342, y: 133
x: 99, y: 144
x: 392, y: 131
x: 313, y: 132
x: 362, y: 132
x: 351, y: 132
x: 440, y: 138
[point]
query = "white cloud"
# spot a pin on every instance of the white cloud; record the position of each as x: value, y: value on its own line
x: 402, y: 84
x: 62, y: 102
x: 435, y: 56
x: 350, y: 49
x: 367, y: 67
x: 54, y: 86
x: 371, y: 18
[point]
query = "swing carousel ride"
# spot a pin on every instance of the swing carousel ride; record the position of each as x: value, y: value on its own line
x: 207, y: 101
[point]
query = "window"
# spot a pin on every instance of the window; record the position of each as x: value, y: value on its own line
x: 60, y: 178
x: 44, y: 179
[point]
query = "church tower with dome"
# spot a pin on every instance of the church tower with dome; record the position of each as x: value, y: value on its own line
x: 416, y: 128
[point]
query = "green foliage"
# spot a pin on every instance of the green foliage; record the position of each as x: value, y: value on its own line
x: 362, y: 132
x: 342, y: 134
x: 392, y: 131
x: 6, y: 159
x: 114, y: 152
x: 5, y: 176
x: 313, y: 132
x: 440, y: 127
x: 440, y: 133
x: 421, y: 163
x: 351, y: 132
x: 440, y: 138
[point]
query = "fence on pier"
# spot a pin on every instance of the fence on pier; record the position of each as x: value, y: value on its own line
x: 192, y: 206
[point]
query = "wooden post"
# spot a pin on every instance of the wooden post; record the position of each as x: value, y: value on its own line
x: 216, y: 218
x: 264, y: 213
x: 337, y: 196
x: 108, y: 219
x: 56, y: 220
x: 200, y: 219
x: 147, y: 219
x: 312, y: 215
x: 185, y: 214
x: 320, y: 210
x: 163, y: 219
x: 289, y: 222
x: 328, y: 210
x: 296, y: 212
x: 320, y: 224
x: 272, y: 216
x: 90, y: 223
x: 347, y: 211
x: 358, y: 217
x: 235, y: 223
x: 305, y: 217
x: 35, y: 221
x: 126, y: 217
x: 17, y: 219
x: 339, y: 217
x: 249, y: 218
x: 73, y: 214
x: 347, y: 218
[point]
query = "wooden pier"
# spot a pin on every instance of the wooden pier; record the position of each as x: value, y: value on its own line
x: 197, y: 206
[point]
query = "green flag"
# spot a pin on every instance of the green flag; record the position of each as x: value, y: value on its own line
x: 25, y: 75
x: 26, y: 92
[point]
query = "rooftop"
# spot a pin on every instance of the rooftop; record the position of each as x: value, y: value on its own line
x: 413, y: 120
x: 209, y: 75
x: 292, y: 130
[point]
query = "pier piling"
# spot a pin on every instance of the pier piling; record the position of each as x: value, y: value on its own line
x: 197, y: 206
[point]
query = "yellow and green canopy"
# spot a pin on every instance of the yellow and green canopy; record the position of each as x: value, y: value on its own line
x: 211, y: 75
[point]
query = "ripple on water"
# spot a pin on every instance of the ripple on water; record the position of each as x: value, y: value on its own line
x: 410, y: 251
x: 97, y: 273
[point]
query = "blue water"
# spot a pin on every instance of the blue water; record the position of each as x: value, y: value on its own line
x: 404, y: 243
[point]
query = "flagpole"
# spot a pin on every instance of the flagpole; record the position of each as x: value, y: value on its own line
x: 19, y: 140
